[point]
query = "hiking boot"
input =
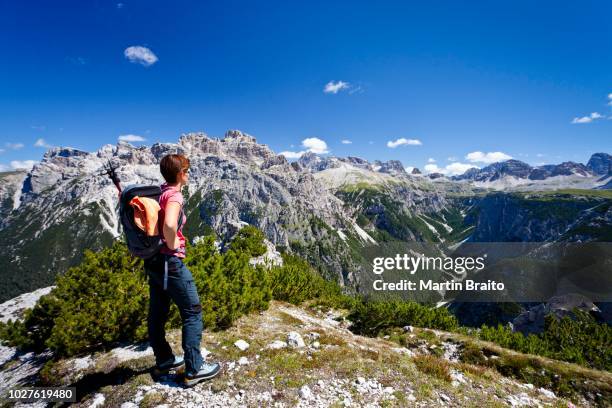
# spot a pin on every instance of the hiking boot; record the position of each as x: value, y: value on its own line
x: 171, y: 364
x: 207, y: 371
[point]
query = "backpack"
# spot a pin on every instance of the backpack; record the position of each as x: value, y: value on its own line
x: 138, y: 242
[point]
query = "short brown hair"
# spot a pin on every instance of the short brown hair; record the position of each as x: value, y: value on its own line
x: 171, y: 165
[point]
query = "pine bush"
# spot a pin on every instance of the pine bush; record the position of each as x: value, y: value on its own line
x: 578, y: 339
x: 371, y: 317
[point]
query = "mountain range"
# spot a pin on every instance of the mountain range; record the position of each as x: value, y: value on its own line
x: 326, y: 209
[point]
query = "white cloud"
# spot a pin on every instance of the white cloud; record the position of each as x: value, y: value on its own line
x: 23, y: 164
x: 610, y: 99
x: 491, y: 157
x: 335, y: 87
x: 131, y: 138
x: 311, y: 144
x: 452, y: 169
x: 13, y: 146
x: 315, y: 145
x: 458, y: 168
x: 452, y: 159
x: 346, y: 141
x: 292, y: 155
x: 587, y: 119
x: 433, y: 168
x: 42, y: 143
x: 431, y: 160
x: 4, y: 167
x: 403, y: 141
x: 140, y: 55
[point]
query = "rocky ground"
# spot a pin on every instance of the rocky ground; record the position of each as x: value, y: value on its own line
x: 291, y: 356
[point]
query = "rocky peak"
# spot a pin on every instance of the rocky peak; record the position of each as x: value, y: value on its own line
x: 64, y: 152
x: 600, y: 163
x: 358, y: 162
x: 415, y: 171
x: 159, y: 150
x: 239, y: 136
x: 314, y: 162
x: 193, y: 140
x: 496, y: 171
x: 569, y: 168
x: 393, y: 167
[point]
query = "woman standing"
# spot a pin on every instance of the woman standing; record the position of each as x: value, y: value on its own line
x: 169, y: 279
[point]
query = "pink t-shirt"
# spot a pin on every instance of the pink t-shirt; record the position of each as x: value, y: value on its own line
x: 170, y: 194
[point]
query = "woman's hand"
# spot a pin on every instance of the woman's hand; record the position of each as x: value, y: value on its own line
x: 171, y: 225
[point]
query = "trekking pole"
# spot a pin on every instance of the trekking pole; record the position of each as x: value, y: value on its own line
x: 109, y: 170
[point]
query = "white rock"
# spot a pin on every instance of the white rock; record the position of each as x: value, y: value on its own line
x: 82, y: 363
x: 295, y: 340
x: 408, y: 329
x: 361, y: 380
x: 316, y: 344
x: 546, y: 392
x: 313, y: 335
x: 411, y: 398
x: 265, y: 397
x: 129, y: 405
x: 243, y: 360
x: 277, y: 344
x: 241, y: 344
x: 458, y: 378
x: 521, y: 400
x: 305, y: 392
x: 98, y: 401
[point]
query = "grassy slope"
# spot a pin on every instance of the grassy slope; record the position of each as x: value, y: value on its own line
x: 335, y: 365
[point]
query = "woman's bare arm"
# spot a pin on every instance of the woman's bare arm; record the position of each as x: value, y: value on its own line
x: 171, y: 225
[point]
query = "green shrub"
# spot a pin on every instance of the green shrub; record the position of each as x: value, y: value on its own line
x: 228, y: 286
x: 296, y: 281
x: 472, y: 354
x: 250, y: 241
x: 580, y: 340
x: 371, y: 317
x: 104, y: 300
x: 101, y: 301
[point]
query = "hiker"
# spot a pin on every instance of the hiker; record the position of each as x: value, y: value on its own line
x: 169, y: 279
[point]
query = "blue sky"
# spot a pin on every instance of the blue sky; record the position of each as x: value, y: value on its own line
x: 504, y: 78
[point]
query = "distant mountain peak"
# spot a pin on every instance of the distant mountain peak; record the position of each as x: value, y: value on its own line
x: 600, y: 163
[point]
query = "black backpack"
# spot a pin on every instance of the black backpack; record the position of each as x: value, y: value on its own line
x: 140, y: 244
